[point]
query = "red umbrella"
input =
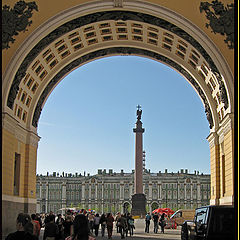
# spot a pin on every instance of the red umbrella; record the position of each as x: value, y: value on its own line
x: 167, y: 211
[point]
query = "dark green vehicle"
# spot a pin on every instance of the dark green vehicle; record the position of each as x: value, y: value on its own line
x: 210, y: 223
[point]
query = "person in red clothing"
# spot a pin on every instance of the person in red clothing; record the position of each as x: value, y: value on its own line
x: 110, y: 221
x: 36, y: 225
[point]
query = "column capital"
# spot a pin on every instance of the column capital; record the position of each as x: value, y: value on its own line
x: 12, y: 125
x: 226, y: 125
x: 213, y: 139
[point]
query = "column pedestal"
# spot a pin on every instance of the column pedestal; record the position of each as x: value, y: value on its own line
x: 138, y: 205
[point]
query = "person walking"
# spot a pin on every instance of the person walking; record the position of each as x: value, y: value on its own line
x: 118, y: 215
x: 67, y: 226
x: 96, y: 223
x: 110, y: 221
x: 103, y: 222
x: 36, y: 226
x: 162, y: 222
x: 147, y: 222
x: 155, y: 221
x: 51, y: 229
x: 59, y: 223
x: 122, y: 223
x: 81, y: 229
x: 131, y: 225
x: 91, y: 220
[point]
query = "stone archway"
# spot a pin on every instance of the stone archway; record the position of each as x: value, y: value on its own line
x: 91, y: 31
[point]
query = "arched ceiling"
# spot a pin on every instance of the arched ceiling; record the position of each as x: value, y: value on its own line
x: 73, y: 41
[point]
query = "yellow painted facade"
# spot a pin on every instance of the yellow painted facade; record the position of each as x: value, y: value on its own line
x: 28, y: 154
x: 19, y: 136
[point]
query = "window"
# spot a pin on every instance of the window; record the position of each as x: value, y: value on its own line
x: 16, y: 174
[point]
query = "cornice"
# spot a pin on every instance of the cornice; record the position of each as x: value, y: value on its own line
x: 226, y: 125
x: 213, y: 139
x: 12, y: 125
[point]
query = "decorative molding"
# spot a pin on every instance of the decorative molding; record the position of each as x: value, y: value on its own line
x: 221, y: 19
x: 21, y: 134
x: 118, y: 3
x: 227, y: 200
x: 213, y: 139
x: 18, y: 199
x: 32, y: 139
x: 103, y: 16
x: 113, y: 51
x: 226, y: 125
x: 15, y: 20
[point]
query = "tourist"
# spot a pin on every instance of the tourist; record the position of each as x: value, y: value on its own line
x: 103, y: 222
x: 24, y: 229
x: 91, y: 221
x: 51, y: 229
x: 131, y: 225
x: 110, y: 221
x: 59, y: 223
x: 147, y: 221
x: 47, y: 217
x: 96, y: 224
x: 118, y: 215
x: 162, y: 222
x: 39, y: 219
x: 36, y: 226
x: 67, y: 226
x: 122, y: 223
x: 155, y: 221
x: 81, y: 229
x: 128, y: 226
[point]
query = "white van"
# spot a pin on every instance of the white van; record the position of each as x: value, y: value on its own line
x: 183, y: 214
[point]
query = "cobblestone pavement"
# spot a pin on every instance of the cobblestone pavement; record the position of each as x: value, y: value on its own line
x: 139, y: 234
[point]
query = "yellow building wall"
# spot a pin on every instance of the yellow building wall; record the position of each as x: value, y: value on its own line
x: 10, y: 146
x: 229, y: 159
x: 8, y: 155
x: 30, y: 172
x: 215, y: 167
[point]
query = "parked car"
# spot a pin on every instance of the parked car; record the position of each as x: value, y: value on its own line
x: 182, y: 215
x: 210, y: 223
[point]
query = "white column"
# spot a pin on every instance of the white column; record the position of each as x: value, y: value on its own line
x: 40, y: 191
x: 198, y: 193
x: 47, y: 197
x: 64, y: 195
x: 185, y: 195
x: 121, y: 190
x: 83, y: 191
x: 160, y: 192
x: 178, y: 194
x: 150, y: 190
x: 131, y: 190
x: 102, y: 197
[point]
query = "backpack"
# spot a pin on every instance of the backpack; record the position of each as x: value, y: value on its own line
x: 131, y: 222
x: 148, y: 217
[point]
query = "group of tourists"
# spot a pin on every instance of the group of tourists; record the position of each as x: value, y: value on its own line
x: 124, y: 224
x: 82, y: 225
x: 158, y: 220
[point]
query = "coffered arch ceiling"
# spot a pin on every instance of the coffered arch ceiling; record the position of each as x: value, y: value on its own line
x: 68, y: 41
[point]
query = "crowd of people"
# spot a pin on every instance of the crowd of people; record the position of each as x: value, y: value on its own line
x: 82, y: 225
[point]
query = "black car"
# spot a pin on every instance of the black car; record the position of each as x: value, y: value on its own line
x: 210, y: 223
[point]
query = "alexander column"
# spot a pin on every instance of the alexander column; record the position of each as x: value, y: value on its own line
x: 138, y: 199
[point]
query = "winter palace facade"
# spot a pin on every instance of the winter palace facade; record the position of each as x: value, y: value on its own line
x: 111, y: 191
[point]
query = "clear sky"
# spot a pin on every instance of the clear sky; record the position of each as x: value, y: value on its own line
x: 87, y: 122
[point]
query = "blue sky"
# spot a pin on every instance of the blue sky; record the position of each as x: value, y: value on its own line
x: 87, y: 122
